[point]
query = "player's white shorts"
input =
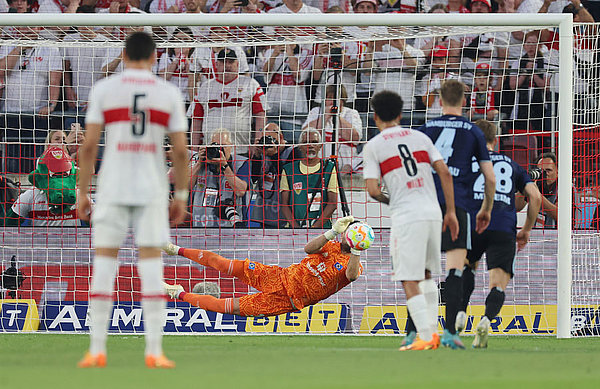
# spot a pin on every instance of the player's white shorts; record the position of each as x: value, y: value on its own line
x: 111, y: 222
x: 415, y: 247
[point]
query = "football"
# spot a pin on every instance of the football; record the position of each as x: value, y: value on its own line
x: 360, y: 236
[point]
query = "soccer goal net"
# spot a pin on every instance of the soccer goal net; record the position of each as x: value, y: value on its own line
x: 307, y: 80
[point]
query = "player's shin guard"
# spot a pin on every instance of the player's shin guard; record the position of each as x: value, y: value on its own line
x: 208, y: 303
x: 468, y: 277
x: 153, y: 303
x: 101, y: 301
x: 453, y: 292
x: 208, y: 258
x: 417, y: 306
x: 430, y: 291
x: 494, y: 302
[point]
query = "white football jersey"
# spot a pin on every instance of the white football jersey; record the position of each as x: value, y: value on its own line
x: 137, y: 109
x: 231, y: 106
x: 402, y: 158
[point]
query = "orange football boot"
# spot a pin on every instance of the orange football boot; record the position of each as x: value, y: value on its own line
x: 420, y: 344
x: 160, y: 362
x: 89, y: 360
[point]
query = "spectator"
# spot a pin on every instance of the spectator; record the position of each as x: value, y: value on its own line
x: 167, y: 6
x: 398, y: 62
x: 232, y: 6
x: 326, y: 5
x: 431, y: 83
x: 204, y: 60
x: 329, y: 58
x: 58, y: 6
x: 74, y: 139
x: 349, y: 132
x: 548, y: 186
x: 295, y: 7
x: 52, y: 200
x: 309, y: 187
x: 9, y: 192
x: 529, y: 83
x: 402, y: 6
x: 83, y: 67
x: 231, y: 101
x: 484, y: 100
x: 32, y: 78
x: 457, y: 6
x: 270, y: 155
x: 174, y: 65
x: 222, y: 179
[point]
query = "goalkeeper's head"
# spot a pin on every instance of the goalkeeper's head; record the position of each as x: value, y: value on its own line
x: 140, y: 51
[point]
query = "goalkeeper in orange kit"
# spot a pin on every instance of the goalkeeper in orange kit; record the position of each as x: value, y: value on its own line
x: 329, y: 267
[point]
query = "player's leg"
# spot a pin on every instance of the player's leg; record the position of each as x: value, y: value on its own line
x: 500, y: 257
x: 208, y: 258
x: 206, y: 302
x: 433, y: 265
x: 151, y: 227
x: 478, y: 245
x: 110, y: 224
x: 456, y: 258
x: 408, y: 257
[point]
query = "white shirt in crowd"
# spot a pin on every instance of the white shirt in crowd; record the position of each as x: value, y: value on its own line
x: 86, y: 63
x: 179, y: 77
x: 33, y: 204
x: 137, y: 110
x: 161, y: 6
x: 346, y: 150
x: 402, y: 158
x: 27, y: 84
x: 359, y: 50
x: 395, y: 75
x: 204, y: 60
x: 231, y: 106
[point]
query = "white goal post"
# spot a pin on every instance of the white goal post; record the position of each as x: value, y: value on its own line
x: 564, y: 23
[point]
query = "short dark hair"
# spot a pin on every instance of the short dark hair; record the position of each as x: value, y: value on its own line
x: 452, y: 93
x: 488, y: 128
x: 139, y: 46
x: 549, y: 155
x: 387, y: 105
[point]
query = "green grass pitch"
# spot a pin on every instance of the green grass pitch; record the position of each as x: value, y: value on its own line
x: 48, y: 361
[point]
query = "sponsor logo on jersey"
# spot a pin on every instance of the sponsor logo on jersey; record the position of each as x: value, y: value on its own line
x: 338, y: 266
x: 251, y: 265
x: 297, y: 186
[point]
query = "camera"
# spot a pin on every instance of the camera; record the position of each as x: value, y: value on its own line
x: 267, y: 141
x: 212, y: 151
x: 227, y: 211
x: 536, y: 173
x: 335, y: 57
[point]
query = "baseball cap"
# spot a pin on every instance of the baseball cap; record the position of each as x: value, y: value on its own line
x: 227, y: 54
x: 57, y: 160
x: 374, y: 2
x: 486, y: 2
x: 439, y: 51
x: 483, y: 67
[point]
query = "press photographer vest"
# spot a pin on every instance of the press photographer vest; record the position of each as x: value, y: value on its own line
x: 213, y: 190
x: 308, y: 191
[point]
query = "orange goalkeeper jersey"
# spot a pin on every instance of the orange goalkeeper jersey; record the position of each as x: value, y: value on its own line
x: 318, y: 276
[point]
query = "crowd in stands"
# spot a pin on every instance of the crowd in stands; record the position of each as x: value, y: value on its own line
x: 265, y: 119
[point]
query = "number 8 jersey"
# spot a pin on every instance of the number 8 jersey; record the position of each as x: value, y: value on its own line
x: 137, y: 110
x: 402, y: 158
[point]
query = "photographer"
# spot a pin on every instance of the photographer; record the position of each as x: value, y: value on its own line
x: 221, y: 184
x: 545, y: 176
x: 270, y: 155
x: 329, y: 58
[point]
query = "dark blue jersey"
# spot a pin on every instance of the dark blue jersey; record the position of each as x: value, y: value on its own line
x: 510, y: 178
x: 460, y: 142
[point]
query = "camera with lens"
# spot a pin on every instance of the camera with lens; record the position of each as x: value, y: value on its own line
x: 212, y: 151
x: 227, y: 211
x: 335, y: 57
x: 536, y: 173
x: 267, y: 141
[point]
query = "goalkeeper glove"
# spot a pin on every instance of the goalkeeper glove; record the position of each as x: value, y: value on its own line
x: 339, y: 226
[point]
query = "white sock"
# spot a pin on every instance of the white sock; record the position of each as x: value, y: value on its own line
x: 431, y: 293
x: 153, y: 303
x: 101, y: 301
x: 417, y: 306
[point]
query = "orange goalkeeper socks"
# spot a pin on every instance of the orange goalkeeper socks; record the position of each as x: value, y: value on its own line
x: 208, y: 258
x: 208, y: 303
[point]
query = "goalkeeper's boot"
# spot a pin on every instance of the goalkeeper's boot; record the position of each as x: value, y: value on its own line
x: 159, y: 362
x: 481, y: 333
x: 451, y: 340
x: 173, y: 290
x: 171, y: 249
x: 408, y: 340
x: 89, y: 360
x: 461, y: 321
x: 421, y: 344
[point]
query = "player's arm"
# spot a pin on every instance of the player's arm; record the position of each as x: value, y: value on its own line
x: 485, y: 212
x: 374, y: 190
x: 88, y: 153
x: 353, y: 268
x: 450, y: 220
x: 315, y: 245
x: 535, y: 201
x: 550, y: 208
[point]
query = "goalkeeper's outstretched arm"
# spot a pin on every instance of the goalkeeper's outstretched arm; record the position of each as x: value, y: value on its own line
x: 316, y: 244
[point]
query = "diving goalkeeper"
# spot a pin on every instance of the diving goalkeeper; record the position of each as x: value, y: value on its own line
x: 329, y: 267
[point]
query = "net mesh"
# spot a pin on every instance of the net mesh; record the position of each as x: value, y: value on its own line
x: 292, y: 77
